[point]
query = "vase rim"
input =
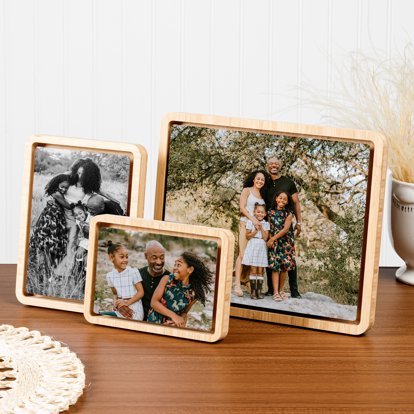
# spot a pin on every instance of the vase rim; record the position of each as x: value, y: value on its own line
x: 402, y: 182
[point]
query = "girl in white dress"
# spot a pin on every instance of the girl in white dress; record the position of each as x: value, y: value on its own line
x: 255, y: 254
x: 125, y: 282
x: 250, y: 195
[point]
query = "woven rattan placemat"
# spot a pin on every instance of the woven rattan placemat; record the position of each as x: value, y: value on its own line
x: 37, y: 373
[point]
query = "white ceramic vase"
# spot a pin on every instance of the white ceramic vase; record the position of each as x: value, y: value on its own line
x: 402, y: 228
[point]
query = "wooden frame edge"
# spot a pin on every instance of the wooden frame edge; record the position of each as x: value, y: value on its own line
x: 375, y: 213
x: 136, y: 204
x: 222, y: 305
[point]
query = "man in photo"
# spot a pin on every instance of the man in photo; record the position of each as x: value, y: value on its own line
x: 153, y: 272
x: 279, y: 182
x: 151, y: 275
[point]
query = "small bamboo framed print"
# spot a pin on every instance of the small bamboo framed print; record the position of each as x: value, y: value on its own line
x: 304, y: 202
x: 158, y: 277
x: 67, y: 181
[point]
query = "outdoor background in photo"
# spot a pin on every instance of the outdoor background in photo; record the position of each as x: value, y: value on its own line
x: 63, y: 275
x: 200, y: 317
x: 50, y: 162
x: 206, y: 170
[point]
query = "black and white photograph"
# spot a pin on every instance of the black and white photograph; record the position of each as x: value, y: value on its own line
x: 69, y: 188
x: 296, y: 205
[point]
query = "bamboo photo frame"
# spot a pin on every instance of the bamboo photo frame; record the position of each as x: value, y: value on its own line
x: 139, y: 229
x: 195, y: 127
x: 133, y: 186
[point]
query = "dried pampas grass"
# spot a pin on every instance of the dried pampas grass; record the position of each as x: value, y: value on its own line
x: 377, y: 94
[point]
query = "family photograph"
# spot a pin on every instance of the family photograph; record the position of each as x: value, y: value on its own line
x: 155, y: 278
x: 296, y: 206
x: 69, y: 188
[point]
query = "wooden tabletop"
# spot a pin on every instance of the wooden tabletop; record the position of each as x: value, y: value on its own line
x: 258, y: 367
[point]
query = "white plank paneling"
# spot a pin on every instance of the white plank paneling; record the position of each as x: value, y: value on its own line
x: 110, y: 70
x: 195, y: 57
x: 313, y: 67
x: 20, y: 103
x: 401, y: 26
x: 255, y: 60
x: 5, y: 255
x: 168, y: 48
x: 226, y: 55
x: 166, y: 81
x: 49, y: 67
x: 376, y: 25
x: 139, y: 21
x: 287, y: 53
x: 138, y: 71
x: 79, y: 29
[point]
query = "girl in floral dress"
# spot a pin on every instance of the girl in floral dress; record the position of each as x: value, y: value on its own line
x: 176, y: 293
x: 281, y: 243
x: 48, y: 241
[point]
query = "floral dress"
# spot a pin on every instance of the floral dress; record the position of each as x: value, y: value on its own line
x: 282, y: 254
x: 176, y: 298
x: 50, y: 234
x: 47, y: 247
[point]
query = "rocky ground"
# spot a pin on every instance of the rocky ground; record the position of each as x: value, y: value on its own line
x: 310, y: 304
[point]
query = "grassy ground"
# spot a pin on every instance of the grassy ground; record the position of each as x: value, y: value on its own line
x: 65, y: 283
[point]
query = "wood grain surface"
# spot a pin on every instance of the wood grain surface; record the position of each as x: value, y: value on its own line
x: 258, y: 367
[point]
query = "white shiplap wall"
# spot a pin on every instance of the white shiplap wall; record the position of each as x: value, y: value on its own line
x: 109, y: 69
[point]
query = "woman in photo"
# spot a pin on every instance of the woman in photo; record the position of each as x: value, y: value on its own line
x: 85, y: 181
x: 49, y: 238
x: 85, y: 177
x: 86, y: 174
x: 252, y: 193
x: 176, y: 293
x: 281, y: 243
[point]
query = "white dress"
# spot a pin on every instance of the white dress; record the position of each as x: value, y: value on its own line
x: 250, y: 203
x: 82, y: 240
x: 124, y: 283
x: 256, y: 249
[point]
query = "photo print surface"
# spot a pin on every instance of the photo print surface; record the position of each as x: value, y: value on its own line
x: 297, y: 207
x: 69, y: 188
x: 156, y: 278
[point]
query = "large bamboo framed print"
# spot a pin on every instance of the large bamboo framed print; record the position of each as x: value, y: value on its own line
x: 305, y: 205
x: 68, y: 181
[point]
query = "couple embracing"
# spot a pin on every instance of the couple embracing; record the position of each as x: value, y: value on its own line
x: 268, y: 243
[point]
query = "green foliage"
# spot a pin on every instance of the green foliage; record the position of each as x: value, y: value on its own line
x: 206, y: 170
x: 338, y: 264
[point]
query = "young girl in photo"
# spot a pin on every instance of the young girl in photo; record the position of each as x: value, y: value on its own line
x: 176, y: 293
x: 125, y: 282
x: 255, y: 254
x: 281, y: 243
x: 82, y: 219
x: 49, y: 234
